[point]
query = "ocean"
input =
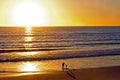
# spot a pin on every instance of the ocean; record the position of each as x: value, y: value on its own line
x: 45, y: 48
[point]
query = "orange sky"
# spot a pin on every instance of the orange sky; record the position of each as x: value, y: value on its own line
x: 69, y: 12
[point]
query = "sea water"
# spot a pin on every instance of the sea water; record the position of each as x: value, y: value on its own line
x: 36, y: 49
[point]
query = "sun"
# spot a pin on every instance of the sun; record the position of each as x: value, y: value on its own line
x: 29, y: 14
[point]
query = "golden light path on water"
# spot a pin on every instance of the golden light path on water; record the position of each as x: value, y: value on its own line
x: 28, y: 38
x: 28, y: 66
x: 31, y: 67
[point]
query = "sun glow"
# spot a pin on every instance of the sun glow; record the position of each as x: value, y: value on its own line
x: 29, y: 14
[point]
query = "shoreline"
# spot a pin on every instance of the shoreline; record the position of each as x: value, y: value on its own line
x: 104, y: 73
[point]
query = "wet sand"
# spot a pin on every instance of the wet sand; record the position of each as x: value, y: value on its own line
x: 107, y: 73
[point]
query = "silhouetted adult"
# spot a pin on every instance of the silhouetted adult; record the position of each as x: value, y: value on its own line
x: 63, y: 66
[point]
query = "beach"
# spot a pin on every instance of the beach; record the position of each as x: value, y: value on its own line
x: 106, y: 73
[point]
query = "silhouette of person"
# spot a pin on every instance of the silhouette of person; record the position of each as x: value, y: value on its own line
x: 63, y: 65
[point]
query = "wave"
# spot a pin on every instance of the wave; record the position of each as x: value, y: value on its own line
x: 26, y: 50
x: 8, y: 48
x: 93, y: 44
x: 61, y: 55
x: 47, y: 46
x: 61, y: 40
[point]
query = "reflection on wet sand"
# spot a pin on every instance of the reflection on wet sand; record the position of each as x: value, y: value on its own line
x: 28, y: 67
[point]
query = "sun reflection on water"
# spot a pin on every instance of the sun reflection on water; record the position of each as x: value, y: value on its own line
x: 29, y: 30
x: 29, y: 53
x: 28, y: 38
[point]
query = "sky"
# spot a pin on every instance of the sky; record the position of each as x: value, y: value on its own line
x: 61, y: 13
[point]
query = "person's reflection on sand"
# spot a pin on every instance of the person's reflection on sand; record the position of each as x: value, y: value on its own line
x: 68, y: 71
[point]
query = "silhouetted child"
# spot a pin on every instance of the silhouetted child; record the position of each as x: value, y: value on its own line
x: 66, y: 67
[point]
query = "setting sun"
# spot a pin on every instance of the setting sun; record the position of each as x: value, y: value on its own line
x: 29, y: 14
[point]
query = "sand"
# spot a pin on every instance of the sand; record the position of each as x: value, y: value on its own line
x: 108, y: 73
